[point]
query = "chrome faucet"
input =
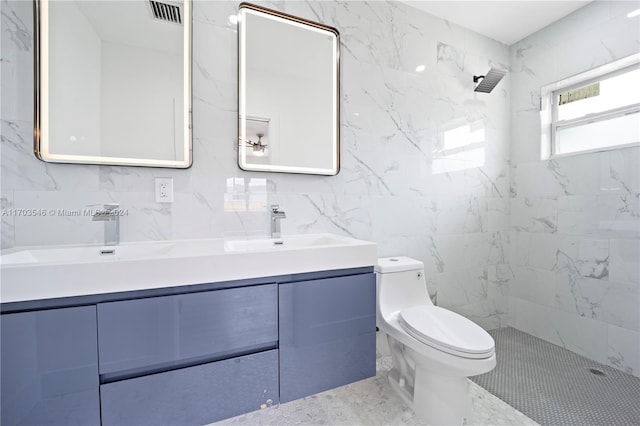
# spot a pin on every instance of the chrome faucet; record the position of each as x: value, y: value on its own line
x: 111, y: 220
x: 276, y: 216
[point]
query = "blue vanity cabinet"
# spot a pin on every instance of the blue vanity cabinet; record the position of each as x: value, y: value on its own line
x: 158, y: 333
x: 188, y: 359
x: 49, y: 365
x: 196, y: 395
x: 327, y: 333
x: 187, y: 356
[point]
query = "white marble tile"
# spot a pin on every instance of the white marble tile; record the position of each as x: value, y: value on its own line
x: 606, y: 215
x: 580, y: 296
x: 214, y: 147
x: 534, y: 179
x: 581, y: 174
x: 624, y: 173
x: 619, y: 215
x: 583, y: 257
x: 368, y: 173
x: 59, y: 221
x: 525, y: 138
x: 139, y: 179
x: 197, y: 215
x: 449, y: 249
x: 404, y: 216
x: 582, y: 335
x: 624, y: 350
x: 214, y: 13
x: 476, y: 293
x: 22, y: 171
x: 537, y: 320
x: 608, y: 38
x: 577, y: 214
x: 146, y: 220
x: 7, y: 227
x: 458, y: 215
x: 624, y: 261
x: 534, y: 214
x: 532, y: 284
x: 464, y: 287
x: 490, y: 180
x: 213, y: 32
x: 326, y: 212
x: 620, y: 305
x: 17, y: 55
x: 498, y: 213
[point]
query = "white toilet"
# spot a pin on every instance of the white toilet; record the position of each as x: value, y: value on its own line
x: 434, y: 350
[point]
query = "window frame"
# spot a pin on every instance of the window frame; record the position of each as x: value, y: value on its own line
x: 549, y: 108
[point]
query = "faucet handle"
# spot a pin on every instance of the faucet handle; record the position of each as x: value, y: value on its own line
x: 275, y: 207
x: 106, y: 206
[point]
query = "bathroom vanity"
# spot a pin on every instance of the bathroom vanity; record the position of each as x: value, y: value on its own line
x: 188, y: 353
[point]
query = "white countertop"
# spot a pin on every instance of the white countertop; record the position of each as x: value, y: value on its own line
x: 36, y: 273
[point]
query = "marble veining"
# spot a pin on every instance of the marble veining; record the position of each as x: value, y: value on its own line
x: 491, y: 204
x: 572, y: 284
x: 20, y: 34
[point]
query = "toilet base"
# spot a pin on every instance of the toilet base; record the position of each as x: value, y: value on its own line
x: 438, y: 399
x: 441, y: 400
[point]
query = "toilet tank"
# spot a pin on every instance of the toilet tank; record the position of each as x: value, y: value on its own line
x: 400, y: 284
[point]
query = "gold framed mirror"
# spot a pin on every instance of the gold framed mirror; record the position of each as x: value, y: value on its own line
x: 113, y: 82
x: 289, y: 93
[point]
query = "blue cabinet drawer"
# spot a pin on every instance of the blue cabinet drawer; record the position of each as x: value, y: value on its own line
x: 195, y: 395
x: 155, y: 334
x: 327, y: 334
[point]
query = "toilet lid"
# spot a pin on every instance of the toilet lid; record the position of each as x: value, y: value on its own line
x: 447, y: 331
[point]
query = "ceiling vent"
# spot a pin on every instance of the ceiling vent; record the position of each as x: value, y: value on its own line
x: 166, y: 11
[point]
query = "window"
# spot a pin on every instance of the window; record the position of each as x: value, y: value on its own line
x: 593, y: 111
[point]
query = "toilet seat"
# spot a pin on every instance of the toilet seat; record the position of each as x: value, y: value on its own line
x: 447, y: 331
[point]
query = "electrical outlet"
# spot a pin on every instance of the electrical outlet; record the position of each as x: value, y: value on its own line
x: 164, y: 190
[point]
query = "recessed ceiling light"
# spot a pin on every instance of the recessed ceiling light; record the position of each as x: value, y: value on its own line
x: 233, y: 19
x: 420, y: 68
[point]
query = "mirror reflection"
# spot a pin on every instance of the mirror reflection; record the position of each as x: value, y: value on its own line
x: 289, y: 93
x: 113, y: 82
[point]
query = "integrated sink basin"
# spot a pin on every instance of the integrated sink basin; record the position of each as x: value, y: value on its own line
x: 84, y: 254
x: 33, y: 273
x: 285, y: 242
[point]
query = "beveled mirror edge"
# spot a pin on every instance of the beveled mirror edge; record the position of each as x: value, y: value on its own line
x: 289, y: 169
x: 40, y: 149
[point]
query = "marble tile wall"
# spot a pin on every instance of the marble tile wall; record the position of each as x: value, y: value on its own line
x: 425, y: 160
x: 549, y: 247
x: 574, y: 264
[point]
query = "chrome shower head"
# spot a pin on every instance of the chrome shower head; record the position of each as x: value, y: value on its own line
x: 489, y: 81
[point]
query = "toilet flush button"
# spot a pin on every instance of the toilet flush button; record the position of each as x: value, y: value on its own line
x: 393, y: 260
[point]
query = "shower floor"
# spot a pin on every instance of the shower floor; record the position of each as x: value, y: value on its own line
x: 554, y: 386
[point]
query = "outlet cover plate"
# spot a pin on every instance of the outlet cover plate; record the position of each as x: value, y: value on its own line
x: 164, y: 190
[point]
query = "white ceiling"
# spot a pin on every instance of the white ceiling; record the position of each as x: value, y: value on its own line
x: 132, y: 23
x: 505, y: 21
